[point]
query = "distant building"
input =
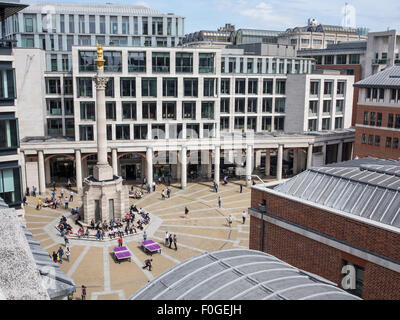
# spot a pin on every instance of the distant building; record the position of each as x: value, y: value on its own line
x: 219, y: 38
x: 318, y: 36
x: 336, y: 216
x: 246, y: 36
x: 378, y: 115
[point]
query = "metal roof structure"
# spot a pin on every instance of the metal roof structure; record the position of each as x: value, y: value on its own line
x: 388, y: 78
x: 367, y: 188
x: 239, y: 274
x: 10, y: 8
x: 74, y: 7
x: 350, y: 46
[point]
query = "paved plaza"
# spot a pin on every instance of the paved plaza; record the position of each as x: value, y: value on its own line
x: 205, y: 229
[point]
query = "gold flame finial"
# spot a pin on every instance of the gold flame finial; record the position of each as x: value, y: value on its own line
x: 100, y: 61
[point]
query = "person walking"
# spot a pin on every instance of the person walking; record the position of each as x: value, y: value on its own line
x: 69, y: 184
x: 67, y: 253
x: 120, y: 241
x: 169, y: 193
x: 60, y: 254
x: 83, y: 292
x: 34, y: 191
x: 244, y: 217
x: 241, y: 188
x: 66, y: 241
x: 54, y: 185
x: 175, y: 241
x: 62, y: 193
x: 166, y: 237
x: 144, y: 236
x: 216, y: 188
x: 170, y: 240
x: 219, y: 202
x: 40, y: 204
x: 154, y: 186
x: 186, y: 211
x: 66, y: 202
x: 230, y: 221
x: 55, y: 256
x: 71, y: 196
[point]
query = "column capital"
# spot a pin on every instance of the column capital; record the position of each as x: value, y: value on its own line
x: 100, y: 82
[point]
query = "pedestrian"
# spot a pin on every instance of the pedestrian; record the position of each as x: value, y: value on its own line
x: 120, y: 241
x: 53, y: 195
x: 147, y: 264
x: 230, y: 221
x: 69, y: 184
x: 54, y: 185
x: 244, y: 217
x: 175, y: 241
x: 166, y: 237
x: 169, y: 193
x: 71, y: 196
x: 66, y: 241
x: 169, y: 181
x: 186, y: 211
x: 34, y: 191
x: 144, y: 182
x: 163, y: 195
x: 144, y: 236
x: 67, y: 253
x: 55, y: 257
x: 39, y: 205
x: 241, y: 188
x: 60, y: 254
x: 62, y: 193
x: 216, y: 188
x: 66, y: 202
x: 83, y: 292
x: 154, y: 186
x: 170, y: 240
x: 25, y: 201
x: 219, y: 202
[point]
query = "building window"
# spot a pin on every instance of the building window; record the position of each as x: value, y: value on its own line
x: 68, y: 87
x: 69, y: 107
x: 102, y: 24
x: 125, y: 25
x: 192, y: 131
x: 395, y: 143
x: 113, y: 61
x: 189, y: 110
x: 53, y: 86
x: 10, y: 186
x: 224, y: 123
x: 381, y: 94
x: 314, y: 88
x: 354, y: 59
x: 54, y: 107
x: 86, y: 133
x: 206, y: 63
x: 169, y: 110
x: 225, y: 86
x: 267, y: 86
x: 190, y: 87
x: 184, y: 62
x: 328, y: 85
x: 341, y: 59
x: 372, y: 119
x: 208, y: 130
x: 339, y: 123
x: 267, y: 124
x: 207, y: 110
x: 140, y: 132
x: 128, y: 110
x: 71, y: 23
x: 339, y: 106
x: 280, y: 86
x: 54, y: 127
x: 280, y: 104
x: 364, y: 138
x: 128, y: 87
x: 313, y: 109
x: 9, y: 134
x: 149, y: 110
x: 85, y: 88
x: 397, y: 122
x: 252, y: 105
x: 149, y: 87
x: 109, y: 91
x: 388, y: 142
x: 111, y: 112
x: 122, y: 132
x: 359, y: 279
x: 240, y: 86
x: 158, y: 131
x: 70, y: 128
x: 377, y: 141
x: 240, y: 105
x: 232, y: 65
x: 370, y: 139
x: 341, y: 87
x: 379, y: 119
x: 88, y: 111
x: 160, y: 61
x: 390, y: 119
x: 239, y: 123
x: 27, y: 42
x: 224, y: 105
x: 312, y: 125
x: 267, y: 105
x: 252, y: 85
x: 326, y: 124
x: 366, y: 118
x: 329, y: 59
x: 137, y: 61
x: 209, y: 85
x: 327, y: 106
x: 175, y: 131
x: 279, y: 123
x: 170, y: 87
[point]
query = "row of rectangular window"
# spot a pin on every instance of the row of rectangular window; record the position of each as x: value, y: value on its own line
x: 326, y: 124
x: 376, y: 140
x: 375, y: 119
x: 327, y: 106
x: 328, y: 88
x: 340, y: 59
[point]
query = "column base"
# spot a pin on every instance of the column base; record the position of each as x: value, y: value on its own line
x: 103, y: 172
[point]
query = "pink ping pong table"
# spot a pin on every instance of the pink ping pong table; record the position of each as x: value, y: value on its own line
x: 151, y: 246
x: 122, y: 253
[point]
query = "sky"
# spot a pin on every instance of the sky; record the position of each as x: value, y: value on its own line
x: 270, y: 14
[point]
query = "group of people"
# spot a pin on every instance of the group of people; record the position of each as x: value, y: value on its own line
x: 55, y: 201
x: 58, y: 256
x: 135, y: 193
x: 169, y: 239
x: 166, y: 194
x: 161, y: 180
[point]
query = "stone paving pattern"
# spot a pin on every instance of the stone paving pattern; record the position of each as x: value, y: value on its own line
x: 205, y: 229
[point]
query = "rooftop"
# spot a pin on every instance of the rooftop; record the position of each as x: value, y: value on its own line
x: 368, y: 188
x: 388, y: 78
x: 240, y: 274
x: 360, y: 46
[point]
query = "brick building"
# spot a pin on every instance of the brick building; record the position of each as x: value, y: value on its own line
x: 332, y: 216
x: 378, y: 115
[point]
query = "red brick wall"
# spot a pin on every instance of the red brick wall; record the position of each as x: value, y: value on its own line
x: 357, y: 77
x: 364, y: 150
x: 312, y: 256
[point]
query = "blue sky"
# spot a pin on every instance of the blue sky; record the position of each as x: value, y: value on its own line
x: 271, y: 14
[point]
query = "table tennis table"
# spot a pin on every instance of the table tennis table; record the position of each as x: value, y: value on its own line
x: 151, y: 246
x: 122, y: 253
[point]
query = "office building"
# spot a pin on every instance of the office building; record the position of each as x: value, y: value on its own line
x: 332, y: 217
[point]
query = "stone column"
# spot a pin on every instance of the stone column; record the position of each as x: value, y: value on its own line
x: 352, y: 151
x: 42, y: 176
x: 47, y: 172
x: 279, y: 163
x: 78, y: 169
x: 217, y: 158
x: 209, y: 166
x: 267, y: 163
x: 324, y: 153
x: 23, y: 171
x: 309, y: 156
x: 295, y: 161
x: 115, y: 162
x: 149, y: 167
x: 340, y: 152
x: 183, y: 168
x: 249, y: 164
